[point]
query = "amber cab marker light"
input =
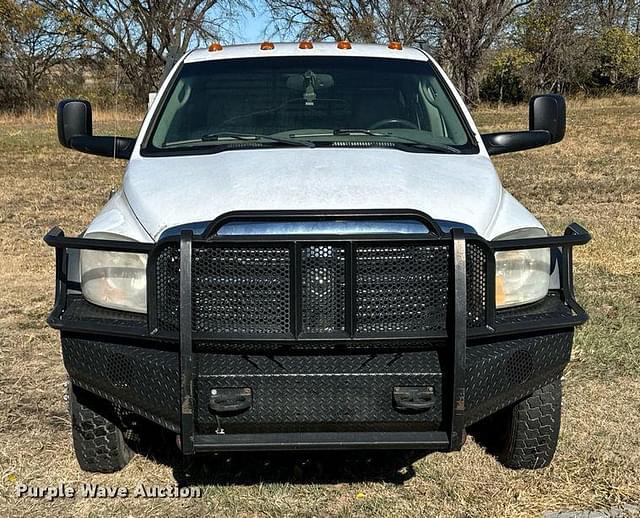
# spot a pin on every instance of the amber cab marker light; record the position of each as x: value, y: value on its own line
x: 267, y: 45
x: 215, y: 47
x: 344, y: 44
x: 305, y: 45
x: 395, y: 45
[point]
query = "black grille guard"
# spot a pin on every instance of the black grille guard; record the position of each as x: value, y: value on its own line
x: 467, y: 289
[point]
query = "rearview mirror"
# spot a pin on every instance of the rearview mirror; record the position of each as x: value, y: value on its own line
x: 547, y: 125
x: 75, y: 131
x: 301, y: 81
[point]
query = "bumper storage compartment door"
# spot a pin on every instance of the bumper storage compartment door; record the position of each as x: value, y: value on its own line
x: 319, y: 391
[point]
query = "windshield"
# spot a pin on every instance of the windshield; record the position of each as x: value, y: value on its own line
x: 312, y: 101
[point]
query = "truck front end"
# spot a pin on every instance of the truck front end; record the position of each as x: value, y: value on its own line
x: 303, y: 306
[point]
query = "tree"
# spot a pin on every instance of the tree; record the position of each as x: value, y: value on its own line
x: 464, y: 31
x: 137, y: 34
x: 622, y: 14
x: 504, y: 80
x: 618, y: 54
x: 367, y: 21
x: 34, y: 43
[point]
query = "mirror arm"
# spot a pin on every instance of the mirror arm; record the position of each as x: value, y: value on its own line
x: 104, y: 146
x: 510, y: 141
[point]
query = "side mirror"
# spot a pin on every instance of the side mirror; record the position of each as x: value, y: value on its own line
x: 547, y: 125
x: 75, y: 131
x: 548, y: 112
x: 74, y: 119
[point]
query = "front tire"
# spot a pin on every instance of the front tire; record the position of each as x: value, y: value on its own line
x: 525, y: 435
x: 98, y: 442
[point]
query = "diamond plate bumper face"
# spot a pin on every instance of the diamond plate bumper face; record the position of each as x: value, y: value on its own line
x: 324, y: 389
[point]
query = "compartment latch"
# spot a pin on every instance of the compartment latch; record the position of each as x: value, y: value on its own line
x: 230, y: 400
x: 413, y: 399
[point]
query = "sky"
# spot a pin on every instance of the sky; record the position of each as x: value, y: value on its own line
x: 252, y: 28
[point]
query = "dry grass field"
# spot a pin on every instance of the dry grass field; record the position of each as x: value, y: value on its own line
x: 593, y: 177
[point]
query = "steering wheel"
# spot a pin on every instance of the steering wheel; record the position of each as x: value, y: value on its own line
x: 393, y: 122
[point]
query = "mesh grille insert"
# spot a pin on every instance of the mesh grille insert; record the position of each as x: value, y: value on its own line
x: 168, y: 288
x: 240, y: 290
x: 323, y: 289
x: 476, y: 285
x: 245, y: 290
x: 401, y: 288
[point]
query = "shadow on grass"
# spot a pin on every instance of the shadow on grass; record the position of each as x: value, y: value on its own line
x: 300, y: 467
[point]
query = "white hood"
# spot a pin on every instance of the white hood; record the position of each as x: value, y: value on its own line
x: 171, y: 191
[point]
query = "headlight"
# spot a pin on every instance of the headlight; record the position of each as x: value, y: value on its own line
x: 522, y: 276
x: 115, y: 280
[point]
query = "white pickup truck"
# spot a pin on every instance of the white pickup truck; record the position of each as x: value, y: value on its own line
x: 311, y: 249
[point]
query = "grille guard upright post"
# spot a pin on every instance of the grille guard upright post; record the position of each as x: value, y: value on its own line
x: 458, y: 336
x: 186, y: 346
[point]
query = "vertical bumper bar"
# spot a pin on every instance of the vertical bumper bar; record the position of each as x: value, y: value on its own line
x: 186, y: 346
x: 458, y: 335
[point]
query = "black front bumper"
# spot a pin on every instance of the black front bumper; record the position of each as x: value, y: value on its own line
x: 325, y: 397
x: 324, y: 369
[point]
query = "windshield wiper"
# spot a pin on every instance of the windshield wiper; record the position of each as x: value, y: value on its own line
x: 404, y: 141
x: 229, y: 135
x: 431, y: 147
x: 407, y: 140
x: 357, y: 131
x: 340, y: 132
